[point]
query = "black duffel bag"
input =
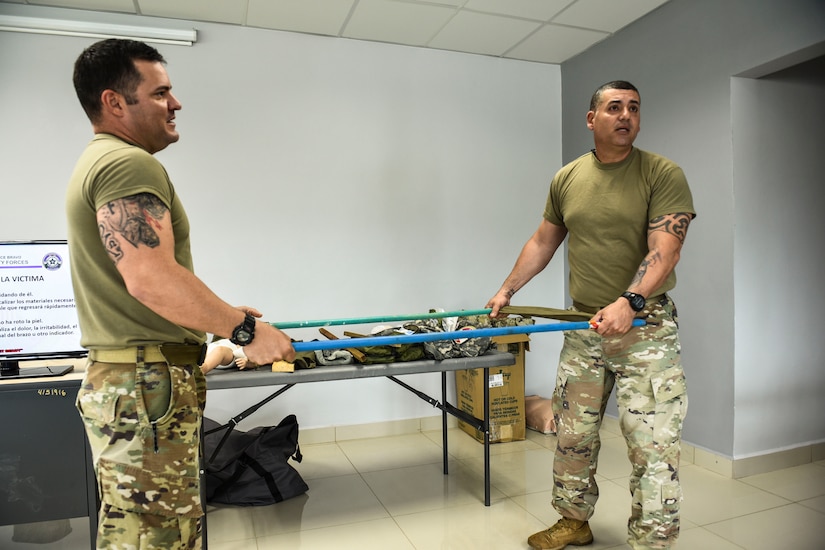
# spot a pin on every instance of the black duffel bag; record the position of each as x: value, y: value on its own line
x: 251, y: 468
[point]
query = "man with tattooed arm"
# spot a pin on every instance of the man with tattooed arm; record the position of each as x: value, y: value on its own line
x: 625, y: 213
x: 143, y: 313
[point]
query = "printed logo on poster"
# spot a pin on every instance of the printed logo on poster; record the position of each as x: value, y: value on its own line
x: 52, y: 261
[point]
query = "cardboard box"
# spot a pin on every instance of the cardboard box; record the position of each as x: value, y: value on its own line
x: 507, y: 419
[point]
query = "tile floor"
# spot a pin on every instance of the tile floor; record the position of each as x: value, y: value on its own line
x: 389, y: 493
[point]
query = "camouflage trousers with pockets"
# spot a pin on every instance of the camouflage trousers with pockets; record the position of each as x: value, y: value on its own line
x: 143, y: 424
x: 644, y: 365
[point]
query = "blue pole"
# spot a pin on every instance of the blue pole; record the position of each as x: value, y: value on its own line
x: 380, y: 319
x: 435, y: 336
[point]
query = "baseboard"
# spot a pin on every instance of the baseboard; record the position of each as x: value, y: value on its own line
x: 761, y: 464
x: 724, y: 466
x: 740, y: 467
x: 708, y: 460
x: 778, y: 460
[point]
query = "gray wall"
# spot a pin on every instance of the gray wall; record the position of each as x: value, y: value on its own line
x: 323, y: 178
x: 779, y: 259
x: 739, y: 270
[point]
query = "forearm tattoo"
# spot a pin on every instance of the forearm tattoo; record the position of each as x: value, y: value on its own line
x: 649, y: 260
x: 675, y: 224
x: 132, y: 219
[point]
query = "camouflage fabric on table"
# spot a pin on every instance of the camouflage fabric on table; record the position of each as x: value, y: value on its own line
x: 440, y: 349
x: 305, y: 360
x: 393, y: 353
x: 512, y: 321
x: 459, y: 347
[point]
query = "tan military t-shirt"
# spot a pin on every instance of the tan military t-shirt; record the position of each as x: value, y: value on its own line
x: 109, y: 316
x: 606, y: 209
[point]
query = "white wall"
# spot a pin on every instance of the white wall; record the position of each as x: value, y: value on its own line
x: 780, y: 237
x: 682, y: 56
x: 323, y: 178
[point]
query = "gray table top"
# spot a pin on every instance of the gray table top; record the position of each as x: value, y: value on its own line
x: 220, y: 379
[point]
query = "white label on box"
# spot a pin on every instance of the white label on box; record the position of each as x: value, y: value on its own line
x: 496, y: 380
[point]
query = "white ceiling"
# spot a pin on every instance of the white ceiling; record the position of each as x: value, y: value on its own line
x: 546, y: 31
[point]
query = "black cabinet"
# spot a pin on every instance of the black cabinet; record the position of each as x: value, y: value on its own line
x: 45, y: 465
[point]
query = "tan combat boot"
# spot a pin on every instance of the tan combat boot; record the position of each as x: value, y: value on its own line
x: 565, y: 531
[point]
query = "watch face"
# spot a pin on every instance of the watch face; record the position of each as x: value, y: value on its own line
x: 637, y: 301
x: 245, y: 332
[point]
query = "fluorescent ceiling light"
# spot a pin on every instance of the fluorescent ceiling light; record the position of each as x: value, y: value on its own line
x: 88, y: 29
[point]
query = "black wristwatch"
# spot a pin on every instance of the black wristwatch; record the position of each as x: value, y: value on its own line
x: 245, y: 332
x: 637, y: 301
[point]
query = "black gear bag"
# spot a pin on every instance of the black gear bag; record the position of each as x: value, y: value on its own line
x: 251, y: 468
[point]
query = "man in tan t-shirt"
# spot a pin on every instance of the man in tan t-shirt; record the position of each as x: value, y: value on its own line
x: 143, y: 313
x: 625, y: 213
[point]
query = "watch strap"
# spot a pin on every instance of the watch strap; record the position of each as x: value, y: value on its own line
x: 637, y: 301
x: 248, y: 325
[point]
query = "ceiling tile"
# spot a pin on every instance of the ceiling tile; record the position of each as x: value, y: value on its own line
x: 547, y: 31
x: 482, y: 33
x: 555, y: 44
x: 541, y: 10
x: 220, y: 11
x: 398, y: 22
x: 606, y: 15
x: 124, y: 6
x: 311, y: 16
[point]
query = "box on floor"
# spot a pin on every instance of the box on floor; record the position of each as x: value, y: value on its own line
x: 507, y: 418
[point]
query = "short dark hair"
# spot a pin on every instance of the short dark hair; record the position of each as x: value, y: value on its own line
x: 612, y: 85
x: 110, y: 65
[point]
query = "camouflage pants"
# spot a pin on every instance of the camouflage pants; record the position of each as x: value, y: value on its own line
x: 143, y: 424
x: 645, y: 367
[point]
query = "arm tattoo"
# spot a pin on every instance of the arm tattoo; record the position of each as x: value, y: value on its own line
x: 675, y: 224
x: 649, y: 260
x: 133, y: 219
